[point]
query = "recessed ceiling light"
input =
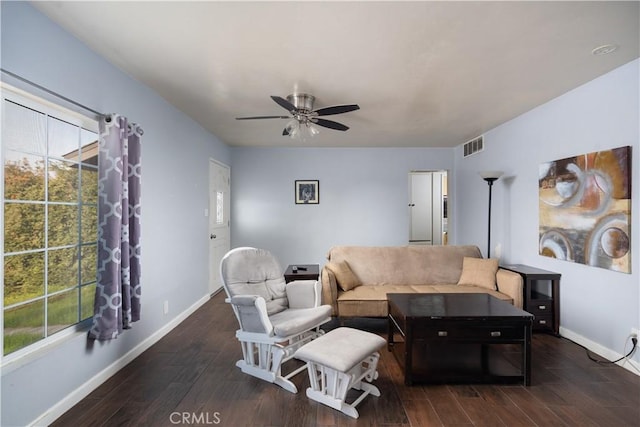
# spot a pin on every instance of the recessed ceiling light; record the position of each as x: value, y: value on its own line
x: 604, y: 50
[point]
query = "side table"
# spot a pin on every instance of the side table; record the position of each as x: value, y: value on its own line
x: 541, y: 296
x: 303, y: 272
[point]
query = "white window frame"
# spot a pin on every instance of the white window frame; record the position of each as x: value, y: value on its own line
x: 39, y: 348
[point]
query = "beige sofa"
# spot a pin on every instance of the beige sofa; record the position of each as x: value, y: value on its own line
x: 356, y: 279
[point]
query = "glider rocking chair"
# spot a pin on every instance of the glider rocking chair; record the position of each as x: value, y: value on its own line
x: 275, y: 318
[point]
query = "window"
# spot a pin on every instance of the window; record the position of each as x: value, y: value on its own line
x: 219, y: 207
x: 50, y: 186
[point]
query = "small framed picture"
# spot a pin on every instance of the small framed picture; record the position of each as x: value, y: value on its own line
x: 307, y: 192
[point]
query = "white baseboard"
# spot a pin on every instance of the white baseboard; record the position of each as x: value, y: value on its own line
x: 83, y: 391
x: 628, y: 364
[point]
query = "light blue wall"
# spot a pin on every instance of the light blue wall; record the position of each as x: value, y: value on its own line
x: 363, y: 198
x: 598, y: 305
x: 176, y: 154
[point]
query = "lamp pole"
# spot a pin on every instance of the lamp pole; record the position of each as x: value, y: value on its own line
x: 490, y: 181
x: 490, y: 177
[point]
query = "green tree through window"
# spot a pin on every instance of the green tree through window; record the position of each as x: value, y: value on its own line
x: 50, y: 219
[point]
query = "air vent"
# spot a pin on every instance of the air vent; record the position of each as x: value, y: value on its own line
x: 474, y: 146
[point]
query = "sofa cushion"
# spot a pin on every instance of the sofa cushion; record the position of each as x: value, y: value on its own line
x: 373, y: 293
x: 407, y: 265
x: 460, y: 289
x: 435, y: 289
x: 344, y: 276
x: 479, y: 272
x: 371, y: 301
x: 363, y: 308
x: 368, y: 301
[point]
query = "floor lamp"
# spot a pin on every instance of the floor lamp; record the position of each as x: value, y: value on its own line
x: 490, y: 177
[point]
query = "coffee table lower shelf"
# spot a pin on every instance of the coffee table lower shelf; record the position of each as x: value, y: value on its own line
x: 460, y: 362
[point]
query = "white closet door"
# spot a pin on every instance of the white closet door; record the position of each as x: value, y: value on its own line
x: 420, y: 208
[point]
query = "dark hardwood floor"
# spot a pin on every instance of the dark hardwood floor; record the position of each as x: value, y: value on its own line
x: 189, y: 378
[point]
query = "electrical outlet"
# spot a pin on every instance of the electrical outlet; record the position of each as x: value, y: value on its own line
x: 634, y: 333
x: 165, y: 307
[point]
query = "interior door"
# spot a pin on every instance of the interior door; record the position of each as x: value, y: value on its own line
x: 421, y: 216
x: 219, y: 212
x: 427, y: 213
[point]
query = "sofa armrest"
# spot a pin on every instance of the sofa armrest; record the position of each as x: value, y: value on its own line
x: 510, y: 283
x: 329, y: 290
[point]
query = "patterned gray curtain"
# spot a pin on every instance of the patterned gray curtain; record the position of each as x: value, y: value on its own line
x: 117, y: 301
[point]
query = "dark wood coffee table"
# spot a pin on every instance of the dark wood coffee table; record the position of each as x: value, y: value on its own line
x: 453, y: 338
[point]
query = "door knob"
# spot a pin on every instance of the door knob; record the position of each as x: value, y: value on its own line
x: 212, y: 236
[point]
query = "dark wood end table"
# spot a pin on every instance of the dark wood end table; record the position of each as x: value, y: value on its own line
x: 449, y: 338
x: 303, y: 272
x: 541, y: 296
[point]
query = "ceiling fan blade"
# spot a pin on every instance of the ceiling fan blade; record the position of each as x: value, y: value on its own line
x: 338, y: 109
x: 284, y: 103
x: 262, y: 117
x: 330, y: 124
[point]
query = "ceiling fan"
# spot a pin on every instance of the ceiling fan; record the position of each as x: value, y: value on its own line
x: 304, y: 117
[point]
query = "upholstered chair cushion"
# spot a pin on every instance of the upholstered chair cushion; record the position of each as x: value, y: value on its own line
x: 297, y: 320
x: 344, y: 276
x: 479, y: 272
x: 303, y: 293
x: 263, y: 279
x: 341, y: 348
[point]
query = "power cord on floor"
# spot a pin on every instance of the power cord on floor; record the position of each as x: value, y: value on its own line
x: 634, y: 340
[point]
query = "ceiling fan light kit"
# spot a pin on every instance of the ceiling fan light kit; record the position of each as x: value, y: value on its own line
x: 303, y: 117
x: 300, y: 129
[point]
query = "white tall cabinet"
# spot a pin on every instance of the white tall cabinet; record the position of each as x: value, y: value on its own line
x: 427, y: 199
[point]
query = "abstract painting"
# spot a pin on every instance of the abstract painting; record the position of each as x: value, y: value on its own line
x: 585, y: 209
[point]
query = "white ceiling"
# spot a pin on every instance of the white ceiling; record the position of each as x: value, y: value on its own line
x: 425, y: 74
